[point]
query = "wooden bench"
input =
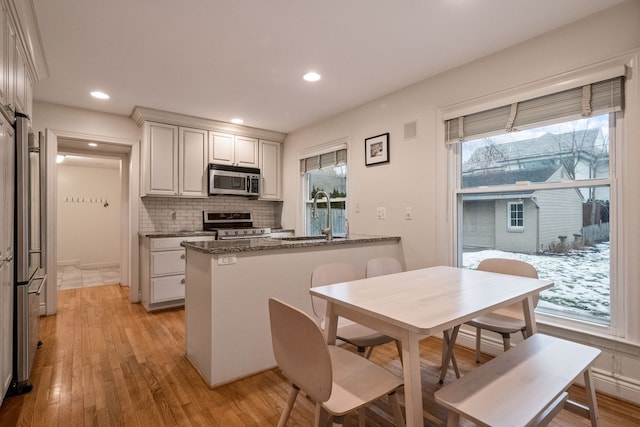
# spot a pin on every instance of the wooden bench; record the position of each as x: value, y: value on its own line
x: 524, y: 386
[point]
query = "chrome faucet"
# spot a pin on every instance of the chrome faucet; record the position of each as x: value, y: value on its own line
x: 314, y: 213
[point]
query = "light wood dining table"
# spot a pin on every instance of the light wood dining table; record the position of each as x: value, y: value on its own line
x: 411, y: 305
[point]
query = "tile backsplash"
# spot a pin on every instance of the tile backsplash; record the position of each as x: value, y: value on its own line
x: 169, y: 214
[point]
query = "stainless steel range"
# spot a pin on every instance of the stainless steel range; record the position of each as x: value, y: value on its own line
x: 232, y: 225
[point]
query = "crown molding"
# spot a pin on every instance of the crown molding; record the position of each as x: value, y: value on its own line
x: 145, y: 114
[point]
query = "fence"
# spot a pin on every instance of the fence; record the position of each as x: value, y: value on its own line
x: 596, y: 233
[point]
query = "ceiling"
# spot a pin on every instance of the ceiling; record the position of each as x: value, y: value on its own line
x: 220, y: 59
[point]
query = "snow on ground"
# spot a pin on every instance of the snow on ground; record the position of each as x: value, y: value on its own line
x: 581, y: 279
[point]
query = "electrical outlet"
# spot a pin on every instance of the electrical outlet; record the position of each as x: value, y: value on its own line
x: 226, y: 259
x: 408, y: 214
x: 382, y: 213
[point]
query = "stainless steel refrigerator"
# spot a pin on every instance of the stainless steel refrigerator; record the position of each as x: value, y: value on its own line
x: 29, y: 250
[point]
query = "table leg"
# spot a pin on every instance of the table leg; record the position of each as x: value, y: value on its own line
x: 591, y: 398
x: 529, y: 315
x: 448, y: 355
x: 412, y: 383
x: 330, y: 324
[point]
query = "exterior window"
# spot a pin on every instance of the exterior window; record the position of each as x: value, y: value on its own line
x: 516, y: 216
x: 558, y: 175
x: 325, y: 172
x: 552, y: 168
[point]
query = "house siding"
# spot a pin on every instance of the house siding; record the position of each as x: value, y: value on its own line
x: 523, y: 241
x: 479, y: 224
x: 562, y: 215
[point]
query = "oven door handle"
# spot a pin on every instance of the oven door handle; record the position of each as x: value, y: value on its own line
x: 43, y: 280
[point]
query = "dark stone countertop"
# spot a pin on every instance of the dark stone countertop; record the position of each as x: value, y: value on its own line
x: 262, y: 244
x: 183, y: 233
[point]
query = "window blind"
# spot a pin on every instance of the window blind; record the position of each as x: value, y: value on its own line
x: 596, y: 98
x: 319, y: 161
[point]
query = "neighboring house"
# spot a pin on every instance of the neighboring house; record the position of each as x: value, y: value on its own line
x: 525, y: 222
x: 583, y: 154
x: 533, y: 221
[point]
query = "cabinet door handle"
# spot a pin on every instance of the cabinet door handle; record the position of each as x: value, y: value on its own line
x: 183, y: 256
x: 182, y: 282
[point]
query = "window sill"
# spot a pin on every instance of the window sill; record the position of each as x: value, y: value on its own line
x: 589, y: 334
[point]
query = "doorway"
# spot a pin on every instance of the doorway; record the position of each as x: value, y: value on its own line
x: 88, y: 223
x: 127, y: 153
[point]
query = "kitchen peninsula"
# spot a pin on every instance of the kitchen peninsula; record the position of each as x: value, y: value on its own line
x: 229, y: 283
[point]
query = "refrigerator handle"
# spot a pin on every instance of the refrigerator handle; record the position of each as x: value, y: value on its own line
x: 43, y: 200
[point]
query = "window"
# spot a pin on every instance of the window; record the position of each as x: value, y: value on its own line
x: 326, y: 172
x: 548, y: 163
x: 516, y: 216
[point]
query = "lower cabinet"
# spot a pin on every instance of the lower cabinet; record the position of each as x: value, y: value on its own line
x: 162, y: 264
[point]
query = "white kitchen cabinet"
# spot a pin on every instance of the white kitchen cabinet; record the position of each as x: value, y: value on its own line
x: 16, y: 85
x: 192, y: 157
x: 236, y: 150
x: 271, y: 170
x: 162, y: 266
x: 175, y: 161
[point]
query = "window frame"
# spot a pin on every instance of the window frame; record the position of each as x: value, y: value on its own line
x: 335, y: 145
x: 618, y: 330
x: 510, y: 218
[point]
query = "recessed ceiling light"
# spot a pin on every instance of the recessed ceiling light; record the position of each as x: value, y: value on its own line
x: 99, y: 95
x: 92, y: 144
x: 237, y: 121
x: 312, y: 76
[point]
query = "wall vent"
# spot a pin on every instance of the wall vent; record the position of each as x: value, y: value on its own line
x: 410, y: 130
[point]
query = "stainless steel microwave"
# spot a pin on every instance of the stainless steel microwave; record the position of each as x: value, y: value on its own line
x: 234, y: 180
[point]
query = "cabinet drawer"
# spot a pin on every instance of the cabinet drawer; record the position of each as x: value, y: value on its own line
x: 173, y: 243
x: 169, y: 262
x: 166, y: 243
x: 167, y: 288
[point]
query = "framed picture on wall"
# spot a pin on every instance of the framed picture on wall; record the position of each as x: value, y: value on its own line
x: 376, y: 149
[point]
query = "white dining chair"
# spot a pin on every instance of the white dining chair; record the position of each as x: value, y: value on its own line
x: 362, y: 337
x: 382, y: 266
x: 336, y: 380
x: 508, y: 320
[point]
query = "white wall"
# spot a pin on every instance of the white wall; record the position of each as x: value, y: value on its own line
x: 88, y: 232
x: 83, y: 122
x: 418, y: 173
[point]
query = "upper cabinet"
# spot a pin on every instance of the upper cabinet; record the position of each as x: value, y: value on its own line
x: 235, y: 150
x: 174, y: 160
x: 192, y: 166
x: 271, y: 170
x: 16, y: 63
x: 176, y: 150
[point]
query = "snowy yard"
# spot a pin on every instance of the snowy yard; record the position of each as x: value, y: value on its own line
x: 581, y: 279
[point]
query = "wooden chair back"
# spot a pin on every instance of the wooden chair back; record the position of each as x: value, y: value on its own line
x: 382, y: 266
x: 515, y: 268
x: 300, y: 350
x: 328, y: 274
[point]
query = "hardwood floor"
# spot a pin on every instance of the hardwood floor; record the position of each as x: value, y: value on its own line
x: 106, y: 362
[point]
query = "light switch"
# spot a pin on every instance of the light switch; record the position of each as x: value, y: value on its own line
x: 408, y: 214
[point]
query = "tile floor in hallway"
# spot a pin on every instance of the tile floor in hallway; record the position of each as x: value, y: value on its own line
x: 72, y: 277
